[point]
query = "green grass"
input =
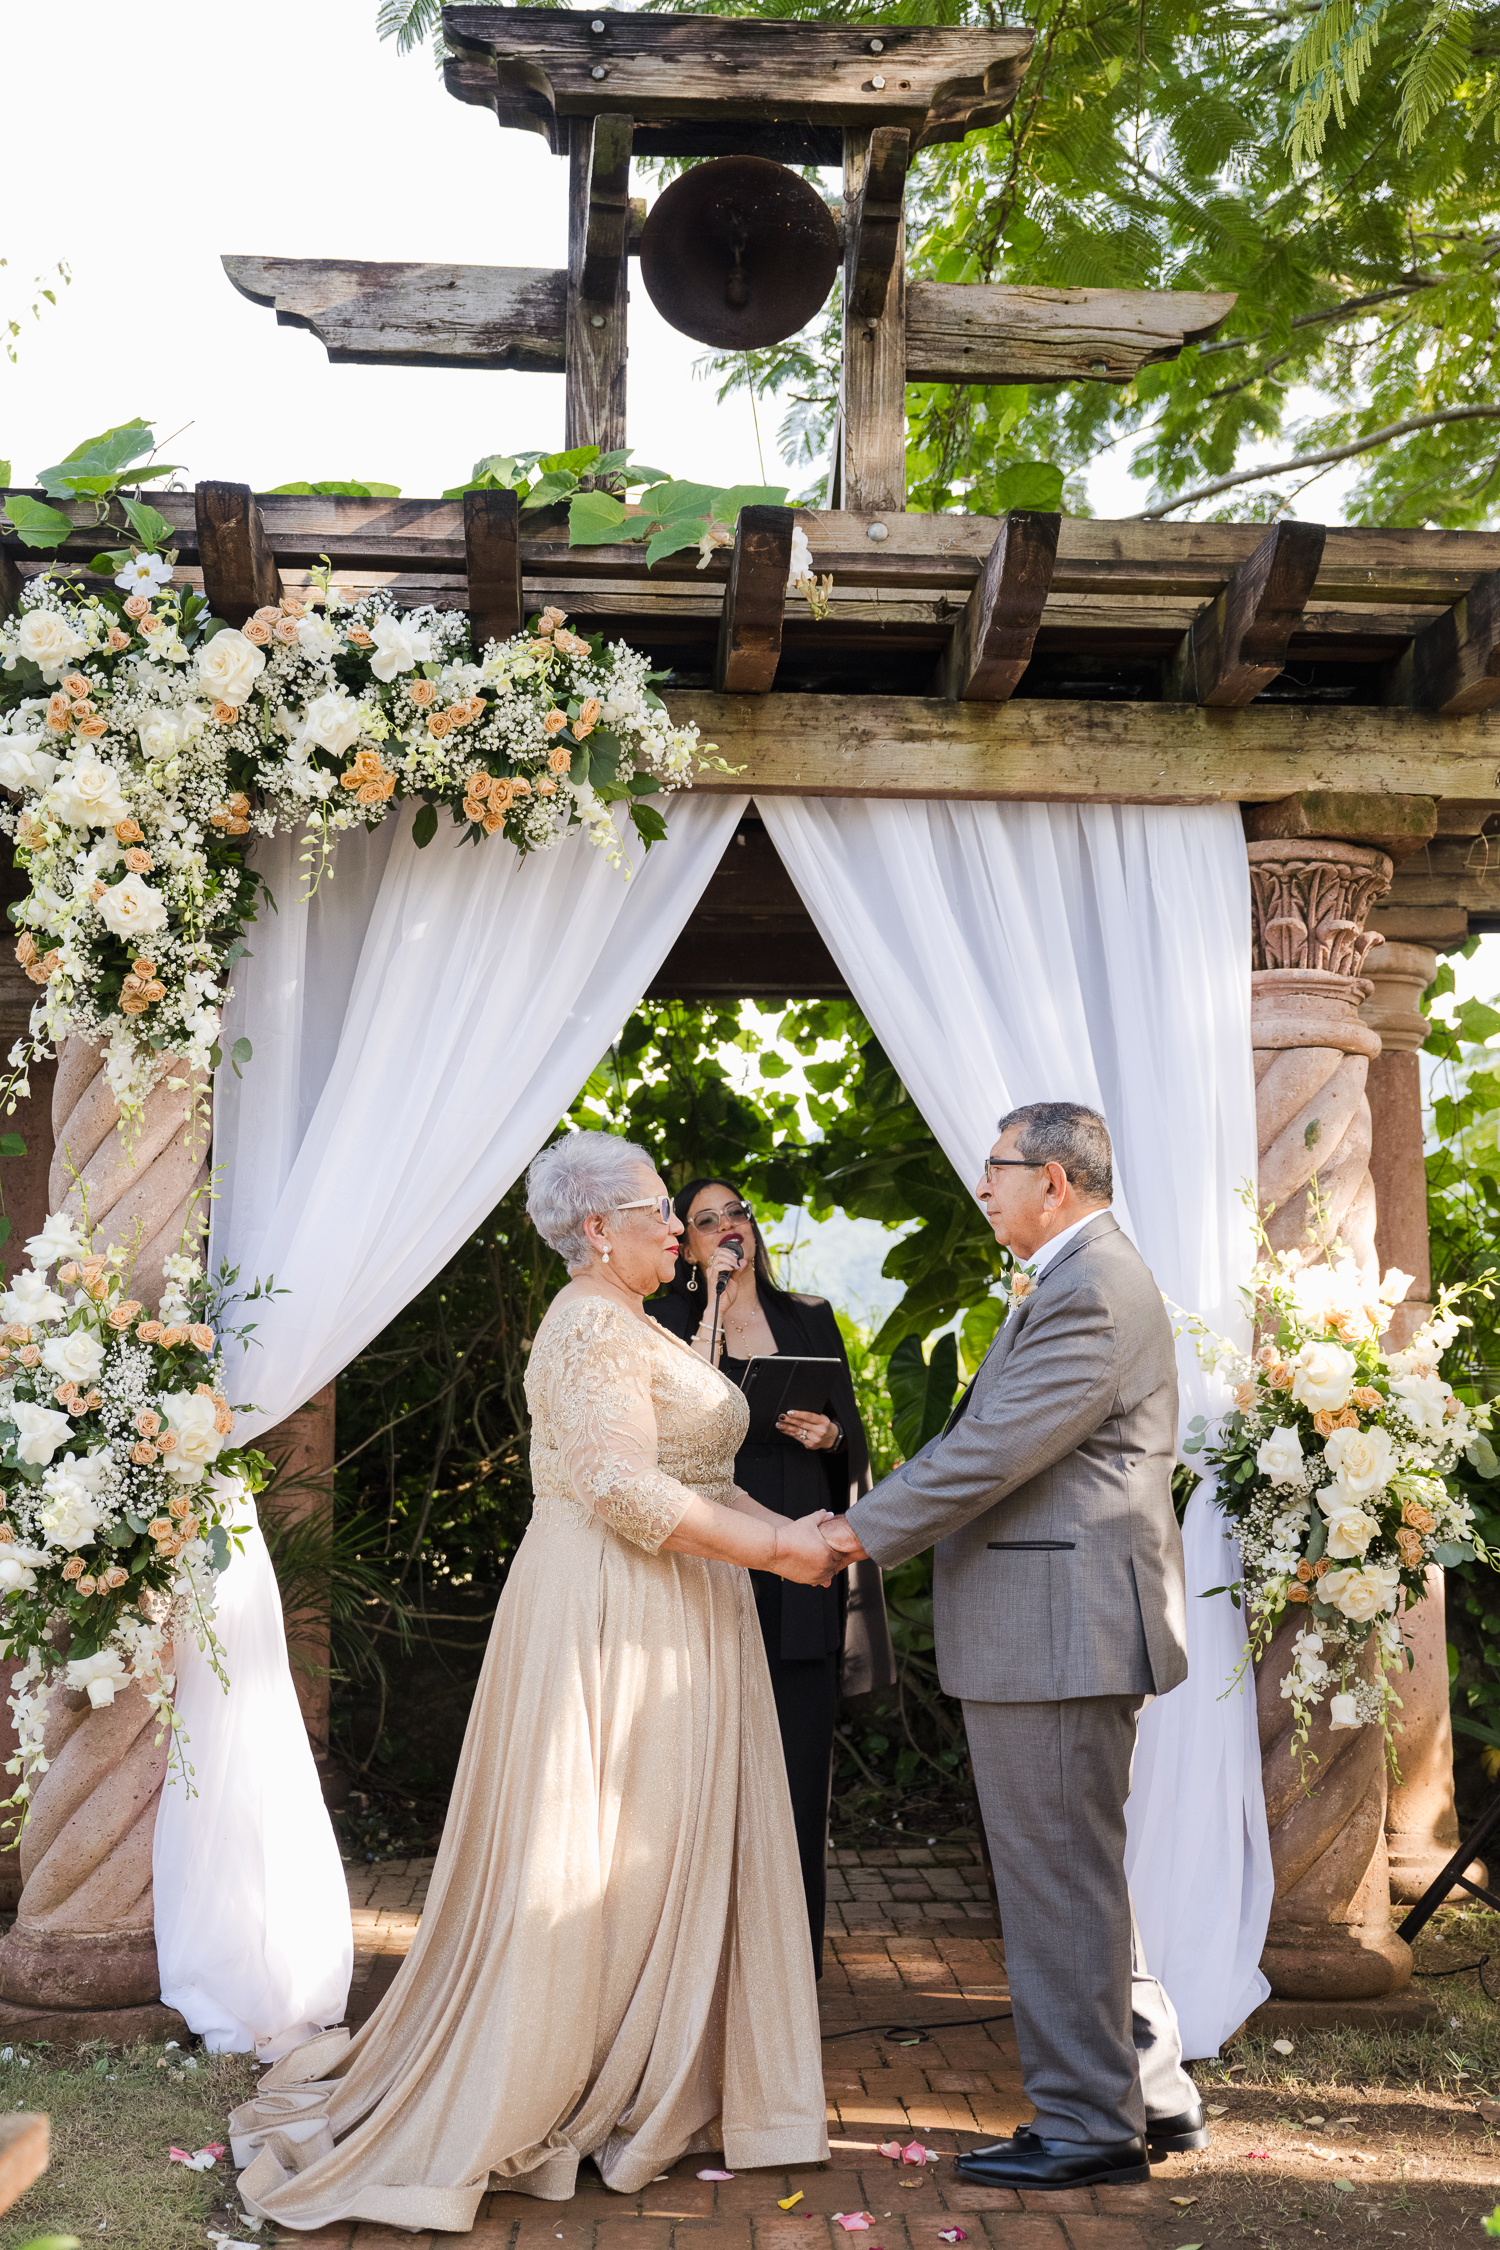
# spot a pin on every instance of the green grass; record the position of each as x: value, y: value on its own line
x: 115, y: 2112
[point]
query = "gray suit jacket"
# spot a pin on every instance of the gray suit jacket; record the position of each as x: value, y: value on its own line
x: 1049, y: 1495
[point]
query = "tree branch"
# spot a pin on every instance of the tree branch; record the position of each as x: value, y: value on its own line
x: 1344, y: 311
x: 1318, y: 460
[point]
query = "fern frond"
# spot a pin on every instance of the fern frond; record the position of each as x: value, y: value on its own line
x: 1327, y: 64
x: 1436, y: 68
x: 408, y: 22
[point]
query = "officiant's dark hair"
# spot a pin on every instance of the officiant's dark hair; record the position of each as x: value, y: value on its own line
x: 682, y: 1203
x: 1068, y: 1134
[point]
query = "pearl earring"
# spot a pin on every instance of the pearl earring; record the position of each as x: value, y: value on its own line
x: 605, y: 1259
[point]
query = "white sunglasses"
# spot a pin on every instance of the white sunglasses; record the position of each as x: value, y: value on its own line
x: 660, y: 1204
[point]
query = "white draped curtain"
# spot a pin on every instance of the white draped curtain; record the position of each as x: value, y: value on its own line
x: 1100, y: 953
x: 420, y: 1026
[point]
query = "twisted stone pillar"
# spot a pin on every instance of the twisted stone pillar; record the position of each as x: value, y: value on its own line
x: 81, y: 1960
x: 139, y: 1183
x: 1331, y: 1937
x: 1312, y: 1052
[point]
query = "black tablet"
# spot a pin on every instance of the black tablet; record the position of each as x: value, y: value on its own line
x: 781, y: 1383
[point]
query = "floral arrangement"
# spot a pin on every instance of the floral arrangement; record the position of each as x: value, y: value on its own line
x: 148, y: 742
x: 1333, y: 1467
x: 117, y: 1492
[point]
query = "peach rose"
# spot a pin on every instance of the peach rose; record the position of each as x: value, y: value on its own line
x: 149, y: 625
x: 30, y: 1356
x: 422, y: 693
x: 115, y: 1577
x: 225, y: 714
x: 1298, y: 1594
x: 59, y: 717
x: 1244, y: 1395
x: 149, y: 1332
x: 1418, y: 1517
x: 136, y: 606
x: 494, y: 819
x: 6, y: 1535
x: 550, y: 619
x: 1304, y: 1570
x: 117, y: 640
x: 588, y: 717
x: 223, y: 1419
x: 292, y: 606
x: 91, y: 729
x: 1409, y: 1547
x: 129, y: 832
x: 546, y: 788
x: 179, y: 1505
x: 138, y: 861
x: 376, y: 792
x: 123, y: 1314
x: 1367, y: 1399
x: 554, y: 722
x: 26, y: 949
x: 147, y: 1422
x: 203, y: 1336
x: 77, y: 685
x: 255, y: 632
x: 285, y: 629
x: 474, y: 809
x: 559, y: 759
x: 73, y: 1567
x: 521, y: 785
x: 167, y: 1442
x: 360, y: 637
x: 87, y: 1586
x: 161, y: 1527
x: 65, y: 1393
x: 133, y: 1001
x: 438, y: 724
x: 268, y: 613
x: 173, y: 1336
x: 1021, y: 1287
x: 1321, y: 1565
x: 479, y: 784
x: 94, y: 1401
x: 571, y: 644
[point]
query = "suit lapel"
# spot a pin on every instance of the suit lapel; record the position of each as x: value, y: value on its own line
x: 1010, y: 1328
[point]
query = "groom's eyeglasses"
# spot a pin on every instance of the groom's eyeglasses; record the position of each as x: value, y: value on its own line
x: 660, y: 1204
x: 994, y: 1164
x: 714, y: 1222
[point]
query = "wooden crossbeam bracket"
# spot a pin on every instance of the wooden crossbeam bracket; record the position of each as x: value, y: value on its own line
x: 1238, y: 645
x: 755, y: 602
x: 1453, y: 667
x: 239, y: 569
x: 367, y: 314
x: 876, y: 221
x: 992, y: 641
x: 871, y: 435
x: 606, y: 222
x: 982, y: 332
x: 492, y: 558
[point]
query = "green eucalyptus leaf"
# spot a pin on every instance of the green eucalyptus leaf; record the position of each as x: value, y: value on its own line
x: 424, y: 827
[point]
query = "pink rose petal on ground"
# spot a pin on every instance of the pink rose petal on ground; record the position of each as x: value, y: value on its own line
x: 890, y: 2148
x: 853, y: 2222
x: 1253, y: 2152
x: 716, y: 2175
x: 215, y: 2149
x: 952, y: 2234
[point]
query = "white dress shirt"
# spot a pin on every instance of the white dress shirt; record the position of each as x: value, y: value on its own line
x: 1042, y: 1258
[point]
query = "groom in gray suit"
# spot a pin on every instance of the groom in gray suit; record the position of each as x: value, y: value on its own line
x: 1059, y: 1608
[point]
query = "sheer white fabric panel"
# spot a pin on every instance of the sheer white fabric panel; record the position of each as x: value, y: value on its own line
x: 418, y: 1027
x: 1013, y: 952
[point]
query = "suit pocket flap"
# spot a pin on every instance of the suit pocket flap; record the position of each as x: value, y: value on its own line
x: 1031, y: 1546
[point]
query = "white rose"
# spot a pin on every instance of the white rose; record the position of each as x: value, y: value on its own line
x: 86, y: 794
x: 1359, y: 1459
x: 77, y: 1358
x: 1343, y: 1711
x: 69, y: 1516
x: 397, y: 647
x: 1280, y: 1457
x: 1350, y: 1529
x: 332, y: 722
x: 59, y: 1238
x: 101, y: 1675
x: 30, y: 1302
x: 164, y: 732
x: 132, y: 909
x: 86, y: 1468
x: 1359, y: 1595
x: 1425, y: 1398
x: 229, y: 666
x: 1323, y: 1375
x: 315, y: 638
x: 15, y: 1576
x: 24, y: 764
x: 40, y: 1430
x: 198, y: 1442
x: 47, y: 639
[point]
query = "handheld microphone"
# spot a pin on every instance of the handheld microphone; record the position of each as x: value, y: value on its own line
x: 719, y: 1288
x: 725, y: 1278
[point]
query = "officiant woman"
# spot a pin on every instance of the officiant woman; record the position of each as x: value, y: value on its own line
x: 818, y: 1638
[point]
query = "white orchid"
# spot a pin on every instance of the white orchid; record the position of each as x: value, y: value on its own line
x: 101, y: 1676
x: 144, y: 574
x: 399, y: 647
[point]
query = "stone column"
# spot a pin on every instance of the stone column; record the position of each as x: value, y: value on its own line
x: 1421, y: 1821
x: 80, y: 1961
x: 1331, y: 1937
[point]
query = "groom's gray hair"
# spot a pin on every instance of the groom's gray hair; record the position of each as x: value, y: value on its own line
x: 1068, y: 1134
x: 582, y: 1176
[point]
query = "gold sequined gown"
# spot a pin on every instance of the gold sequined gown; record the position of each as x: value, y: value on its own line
x: 613, y: 1960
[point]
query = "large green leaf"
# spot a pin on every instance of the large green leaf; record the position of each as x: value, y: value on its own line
x: 1027, y: 484
x: 36, y: 524
x: 597, y: 519
x: 922, y: 1390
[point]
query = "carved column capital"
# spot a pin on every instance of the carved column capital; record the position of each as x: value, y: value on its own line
x: 1310, y: 901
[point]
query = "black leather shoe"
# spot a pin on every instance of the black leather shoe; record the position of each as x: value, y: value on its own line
x: 1028, y: 2161
x: 1173, y: 2136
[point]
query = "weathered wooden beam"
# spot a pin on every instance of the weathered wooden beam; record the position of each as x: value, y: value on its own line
x: 977, y: 332
x: 538, y: 67
x: 594, y: 404
x: 1239, y: 644
x: 371, y: 315
x: 1461, y: 873
x: 754, y: 602
x: 874, y: 225
x: 239, y: 569
x: 992, y: 641
x: 1131, y: 753
x: 606, y: 226
x: 1453, y: 666
x: 872, y: 417
x: 492, y: 554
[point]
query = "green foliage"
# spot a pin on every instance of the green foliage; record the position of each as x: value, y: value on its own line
x: 1149, y: 150
x: 97, y: 471
x: 334, y: 489
x: 36, y: 524
x: 922, y: 1390
x: 11, y: 327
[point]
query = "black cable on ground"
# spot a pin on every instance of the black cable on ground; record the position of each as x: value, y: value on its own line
x: 913, y: 2034
x: 1462, y: 1970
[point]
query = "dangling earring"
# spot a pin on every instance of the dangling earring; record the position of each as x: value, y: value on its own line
x: 604, y: 1259
x: 692, y: 1283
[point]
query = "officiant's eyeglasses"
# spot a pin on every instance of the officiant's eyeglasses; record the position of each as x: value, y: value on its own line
x: 714, y: 1222
x: 994, y: 1164
x: 660, y: 1204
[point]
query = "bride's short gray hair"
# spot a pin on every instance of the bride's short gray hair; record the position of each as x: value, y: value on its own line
x: 582, y: 1176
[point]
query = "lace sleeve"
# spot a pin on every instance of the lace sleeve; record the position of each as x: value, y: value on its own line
x: 599, y: 1400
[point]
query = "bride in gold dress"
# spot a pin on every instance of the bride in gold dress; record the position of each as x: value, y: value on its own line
x: 613, y: 1961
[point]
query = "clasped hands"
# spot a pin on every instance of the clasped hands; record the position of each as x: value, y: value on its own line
x: 813, y: 1549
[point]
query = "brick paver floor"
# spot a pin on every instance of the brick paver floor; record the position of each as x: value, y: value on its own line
x: 912, y: 1941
